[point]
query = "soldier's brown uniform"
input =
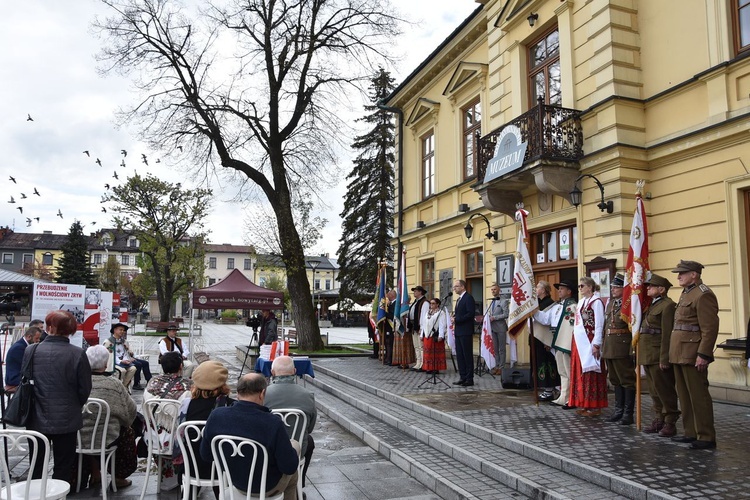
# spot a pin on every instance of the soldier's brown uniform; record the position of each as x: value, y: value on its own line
x: 696, y: 326
x: 616, y: 351
x: 656, y: 331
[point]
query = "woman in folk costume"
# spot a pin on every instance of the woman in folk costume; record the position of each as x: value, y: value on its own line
x: 588, y: 380
x: 432, y: 332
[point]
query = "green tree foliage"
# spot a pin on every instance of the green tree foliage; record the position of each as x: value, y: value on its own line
x: 368, y: 208
x: 138, y: 288
x: 74, y: 266
x: 275, y: 282
x: 168, y: 222
x: 109, y: 276
x: 267, y: 111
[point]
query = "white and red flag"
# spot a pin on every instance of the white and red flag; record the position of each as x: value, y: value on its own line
x: 487, y: 348
x: 634, y: 297
x: 523, y: 301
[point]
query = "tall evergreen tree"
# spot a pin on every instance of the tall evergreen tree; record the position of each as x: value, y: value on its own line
x: 368, y: 208
x: 74, y: 268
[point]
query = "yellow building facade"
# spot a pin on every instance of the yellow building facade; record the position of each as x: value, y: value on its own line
x: 615, y: 89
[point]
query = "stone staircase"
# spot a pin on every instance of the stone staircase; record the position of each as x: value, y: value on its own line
x: 458, y: 459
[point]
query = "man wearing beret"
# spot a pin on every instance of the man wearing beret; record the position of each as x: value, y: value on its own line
x: 696, y: 326
x: 616, y: 349
x: 656, y: 330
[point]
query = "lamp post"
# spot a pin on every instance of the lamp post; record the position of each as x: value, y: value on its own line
x: 576, y: 195
x: 314, y: 263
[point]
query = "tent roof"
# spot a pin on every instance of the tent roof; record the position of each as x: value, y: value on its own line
x: 350, y: 305
x: 235, y: 291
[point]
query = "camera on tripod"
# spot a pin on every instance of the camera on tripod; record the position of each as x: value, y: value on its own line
x: 253, y: 322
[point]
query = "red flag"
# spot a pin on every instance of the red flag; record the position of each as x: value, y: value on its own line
x: 634, y: 297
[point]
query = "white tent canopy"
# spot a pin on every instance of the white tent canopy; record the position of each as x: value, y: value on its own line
x: 349, y: 305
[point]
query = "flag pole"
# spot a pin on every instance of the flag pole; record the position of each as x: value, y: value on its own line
x: 638, y: 386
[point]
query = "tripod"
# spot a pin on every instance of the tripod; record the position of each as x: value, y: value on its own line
x: 433, y: 378
x: 253, y: 339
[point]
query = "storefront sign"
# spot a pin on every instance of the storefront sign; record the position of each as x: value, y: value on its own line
x: 509, y: 154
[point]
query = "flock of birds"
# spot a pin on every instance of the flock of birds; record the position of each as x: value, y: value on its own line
x: 22, y: 196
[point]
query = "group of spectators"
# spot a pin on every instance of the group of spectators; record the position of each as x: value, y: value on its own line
x: 66, y: 376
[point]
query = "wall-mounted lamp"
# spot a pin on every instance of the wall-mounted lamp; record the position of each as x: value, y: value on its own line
x: 463, y: 208
x: 532, y: 19
x: 420, y: 224
x: 469, y: 229
x: 575, y: 195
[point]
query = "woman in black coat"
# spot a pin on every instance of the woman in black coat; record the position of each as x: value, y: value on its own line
x: 62, y: 384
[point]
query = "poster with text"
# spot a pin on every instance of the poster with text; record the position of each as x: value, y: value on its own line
x: 52, y: 296
x: 107, y: 316
x: 91, y: 316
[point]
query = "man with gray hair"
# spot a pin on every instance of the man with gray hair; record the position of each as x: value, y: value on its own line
x: 248, y: 418
x: 284, y: 392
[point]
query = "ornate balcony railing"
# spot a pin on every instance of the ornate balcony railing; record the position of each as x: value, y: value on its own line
x: 551, y: 132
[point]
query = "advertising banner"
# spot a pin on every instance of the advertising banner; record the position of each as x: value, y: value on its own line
x: 53, y: 296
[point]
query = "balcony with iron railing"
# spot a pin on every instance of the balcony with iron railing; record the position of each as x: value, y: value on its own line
x: 554, y: 139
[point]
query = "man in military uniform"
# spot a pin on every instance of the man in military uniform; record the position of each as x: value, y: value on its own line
x: 653, y: 346
x: 560, y: 317
x: 696, y: 326
x: 616, y: 351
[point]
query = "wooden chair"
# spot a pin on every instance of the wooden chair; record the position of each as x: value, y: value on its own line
x: 22, y: 440
x: 189, y: 436
x: 296, y: 422
x: 97, y: 410
x: 223, y: 447
x: 161, y: 424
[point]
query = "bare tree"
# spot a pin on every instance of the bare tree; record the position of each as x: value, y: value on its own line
x: 268, y: 110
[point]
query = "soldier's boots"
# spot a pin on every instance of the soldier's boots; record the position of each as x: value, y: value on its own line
x: 627, y: 416
x: 619, y: 404
x: 656, y: 426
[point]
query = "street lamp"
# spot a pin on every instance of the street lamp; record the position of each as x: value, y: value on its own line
x: 469, y: 229
x: 314, y: 263
x: 576, y: 195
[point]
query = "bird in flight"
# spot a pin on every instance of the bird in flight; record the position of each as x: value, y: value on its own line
x: 115, y: 176
x: 98, y: 162
x: 23, y: 196
x: 93, y: 223
x: 36, y: 192
x: 12, y: 200
x: 20, y: 209
x: 13, y: 179
x: 158, y: 160
x: 123, y: 152
x: 28, y: 222
x: 36, y: 219
x: 104, y: 210
x: 29, y: 118
x: 145, y: 161
x: 122, y: 164
x: 106, y: 186
x: 87, y: 153
x: 180, y: 148
x: 59, y: 213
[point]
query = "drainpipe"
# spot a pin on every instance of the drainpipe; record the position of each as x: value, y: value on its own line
x: 400, y: 167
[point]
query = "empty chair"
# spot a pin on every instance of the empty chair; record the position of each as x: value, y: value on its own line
x: 23, y: 441
x: 227, y: 449
x: 197, y: 472
x: 98, y: 411
x: 296, y: 422
x: 161, y: 425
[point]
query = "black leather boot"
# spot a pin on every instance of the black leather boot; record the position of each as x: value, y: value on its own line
x: 627, y: 417
x: 619, y: 404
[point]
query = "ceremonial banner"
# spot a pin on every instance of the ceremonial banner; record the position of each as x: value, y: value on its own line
x: 487, y: 348
x: 107, y: 316
x: 451, y: 336
x: 382, y: 299
x: 523, y: 303
x: 634, y: 297
x: 402, y: 298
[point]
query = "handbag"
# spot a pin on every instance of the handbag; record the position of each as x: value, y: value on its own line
x: 22, y: 403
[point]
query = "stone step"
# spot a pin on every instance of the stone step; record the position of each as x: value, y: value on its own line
x: 521, y: 467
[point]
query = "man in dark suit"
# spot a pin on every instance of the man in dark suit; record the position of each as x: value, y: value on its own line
x: 388, y: 326
x: 14, y: 358
x: 463, y: 321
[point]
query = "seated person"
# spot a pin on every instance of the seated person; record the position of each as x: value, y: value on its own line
x: 14, y: 358
x: 248, y: 418
x: 172, y: 343
x: 284, y: 392
x: 122, y: 411
x: 120, y: 356
x: 209, y: 391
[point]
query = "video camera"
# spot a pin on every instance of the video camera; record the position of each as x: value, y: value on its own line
x: 254, y: 322
x: 9, y: 303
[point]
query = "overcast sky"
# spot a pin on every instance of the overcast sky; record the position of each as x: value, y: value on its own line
x: 48, y: 72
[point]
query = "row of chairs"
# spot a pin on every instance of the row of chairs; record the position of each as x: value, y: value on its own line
x: 164, y: 413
